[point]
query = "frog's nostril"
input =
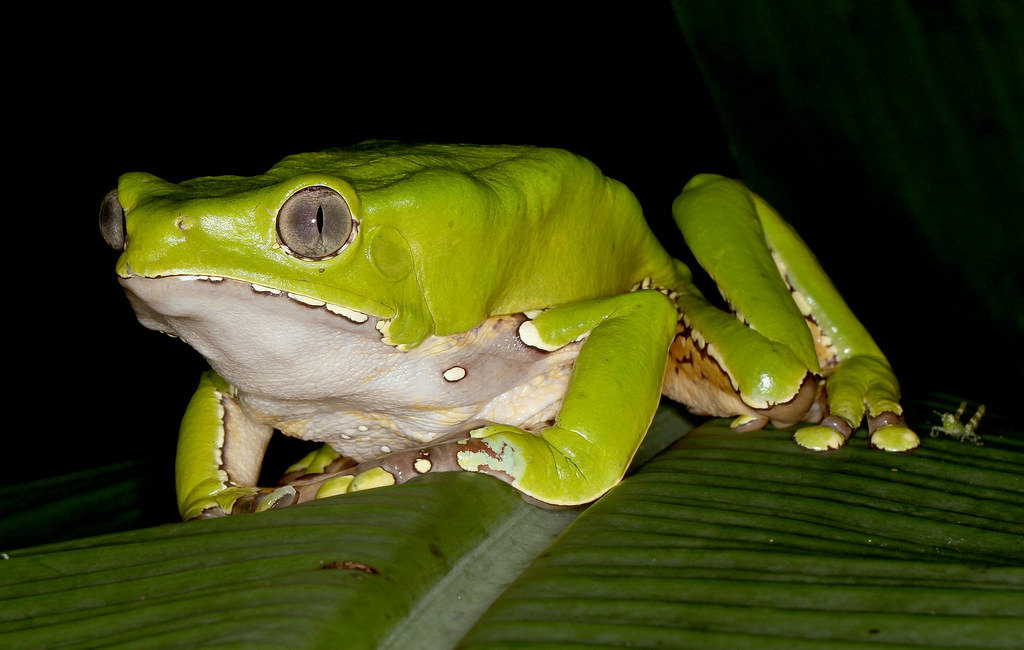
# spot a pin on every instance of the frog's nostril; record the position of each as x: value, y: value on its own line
x: 112, y: 221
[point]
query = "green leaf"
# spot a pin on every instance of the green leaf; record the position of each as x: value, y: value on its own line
x: 747, y: 541
x: 379, y: 566
x: 725, y: 540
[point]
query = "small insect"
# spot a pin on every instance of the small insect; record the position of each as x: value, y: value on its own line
x: 951, y: 425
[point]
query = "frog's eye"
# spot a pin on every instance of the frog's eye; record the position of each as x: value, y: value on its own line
x: 314, y: 223
x: 112, y: 221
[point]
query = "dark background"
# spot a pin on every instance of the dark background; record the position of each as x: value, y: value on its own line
x: 188, y: 93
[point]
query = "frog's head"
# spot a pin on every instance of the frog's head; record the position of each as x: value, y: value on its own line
x: 301, y: 236
x: 302, y: 230
x: 428, y: 239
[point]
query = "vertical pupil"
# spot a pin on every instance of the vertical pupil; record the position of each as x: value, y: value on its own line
x: 320, y: 218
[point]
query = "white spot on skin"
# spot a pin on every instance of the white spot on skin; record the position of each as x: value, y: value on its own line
x: 712, y: 351
x: 802, y: 303
x: 363, y: 428
x: 306, y: 300
x: 779, y: 263
x: 422, y: 465
x: 351, y: 314
x: 384, y: 327
x: 263, y: 289
x: 384, y: 449
x: 695, y: 335
x: 529, y: 335
x: 455, y: 373
x: 207, y: 278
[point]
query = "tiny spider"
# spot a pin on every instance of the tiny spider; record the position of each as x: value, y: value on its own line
x: 951, y: 425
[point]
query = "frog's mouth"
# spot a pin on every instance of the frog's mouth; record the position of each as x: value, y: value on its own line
x: 160, y: 301
x: 238, y: 326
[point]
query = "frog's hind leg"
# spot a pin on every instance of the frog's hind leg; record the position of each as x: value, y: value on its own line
x: 756, y: 362
x: 791, y: 326
x: 695, y: 376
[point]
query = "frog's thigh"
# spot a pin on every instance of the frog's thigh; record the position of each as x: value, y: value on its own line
x: 721, y: 223
x: 607, y: 408
x: 220, y: 451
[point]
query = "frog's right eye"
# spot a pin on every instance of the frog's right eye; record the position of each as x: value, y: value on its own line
x: 112, y: 221
x: 315, y: 223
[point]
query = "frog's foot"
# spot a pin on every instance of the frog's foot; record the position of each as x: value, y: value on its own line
x: 236, y: 500
x: 322, y: 461
x: 745, y: 423
x: 831, y: 433
x: 806, y: 405
x: 392, y: 469
x: 890, y: 433
x: 543, y: 466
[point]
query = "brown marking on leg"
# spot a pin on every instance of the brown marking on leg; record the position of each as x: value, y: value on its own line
x: 408, y: 464
x: 695, y: 379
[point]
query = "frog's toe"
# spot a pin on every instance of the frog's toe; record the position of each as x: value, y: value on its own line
x: 818, y: 437
x: 322, y: 461
x: 895, y: 437
x: 335, y: 486
x: 207, y: 512
x: 890, y: 433
x: 236, y: 499
x: 263, y: 499
x: 745, y: 423
x: 355, y: 480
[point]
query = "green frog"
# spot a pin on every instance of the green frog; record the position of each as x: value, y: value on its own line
x: 503, y: 310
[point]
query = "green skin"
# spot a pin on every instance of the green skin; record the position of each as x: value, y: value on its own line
x: 449, y: 257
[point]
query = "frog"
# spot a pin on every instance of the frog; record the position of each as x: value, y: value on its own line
x: 503, y: 310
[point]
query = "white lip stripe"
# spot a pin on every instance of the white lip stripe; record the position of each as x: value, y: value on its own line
x: 345, y: 312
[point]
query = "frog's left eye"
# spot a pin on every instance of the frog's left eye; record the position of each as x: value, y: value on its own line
x: 315, y: 223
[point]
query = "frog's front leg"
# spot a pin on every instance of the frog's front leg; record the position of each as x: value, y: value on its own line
x: 791, y: 324
x: 609, y: 403
x: 220, y: 450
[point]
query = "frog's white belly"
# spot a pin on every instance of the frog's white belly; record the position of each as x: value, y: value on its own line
x: 398, y: 423
x: 318, y: 375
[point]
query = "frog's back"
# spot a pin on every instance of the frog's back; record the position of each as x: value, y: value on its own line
x: 500, y: 229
